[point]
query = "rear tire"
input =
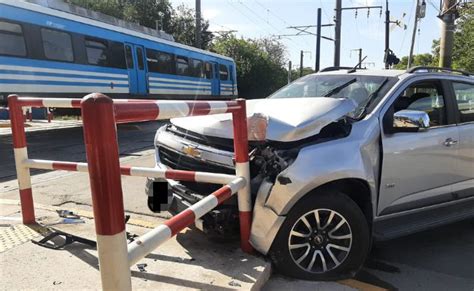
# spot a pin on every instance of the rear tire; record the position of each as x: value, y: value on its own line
x: 325, y: 236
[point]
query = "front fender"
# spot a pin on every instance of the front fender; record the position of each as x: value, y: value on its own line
x: 356, y: 156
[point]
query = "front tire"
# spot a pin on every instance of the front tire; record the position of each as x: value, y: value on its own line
x: 324, y: 237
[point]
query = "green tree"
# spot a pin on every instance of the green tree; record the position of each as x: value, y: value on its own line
x: 463, y: 53
x: 418, y: 60
x: 295, y: 73
x: 183, y: 26
x: 258, y: 73
x: 177, y: 22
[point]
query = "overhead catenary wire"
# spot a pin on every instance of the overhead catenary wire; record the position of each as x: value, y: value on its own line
x: 263, y: 20
x: 406, y: 30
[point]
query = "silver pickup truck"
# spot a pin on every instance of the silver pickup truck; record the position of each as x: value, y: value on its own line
x: 346, y: 157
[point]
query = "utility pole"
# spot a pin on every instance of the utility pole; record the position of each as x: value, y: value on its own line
x: 289, y: 72
x: 419, y: 13
x: 198, y: 24
x: 337, y: 34
x: 338, y: 24
x: 415, y: 26
x: 301, y: 63
x: 360, y: 56
x: 448, y: 16
x: 387, y: 33
x: 318, y: 42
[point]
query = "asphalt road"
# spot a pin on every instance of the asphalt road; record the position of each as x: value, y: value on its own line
x: 438, y: 259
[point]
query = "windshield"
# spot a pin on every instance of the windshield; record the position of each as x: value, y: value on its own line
x: 358, y: 88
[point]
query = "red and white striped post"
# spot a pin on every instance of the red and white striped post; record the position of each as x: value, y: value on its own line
x: 100, y: 137
x: 21, y: 154
x: 242, y: 169
x: 50, y: 114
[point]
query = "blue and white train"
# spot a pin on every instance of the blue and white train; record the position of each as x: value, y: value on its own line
x: 50, y: 48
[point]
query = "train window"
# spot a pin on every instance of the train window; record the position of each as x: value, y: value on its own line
x: 96, y: 52
x: 166, y: 63
x: 116, y: 55
x: 196, y: 68
x: 223, y: 72
x: 129, y: 57
x: 152, y: 60
x: 11, y: 39
x: 182, y: 66
x: 160, y: 62
x: 141, y: 65
x: 57, y: 45
x: 208, y: 70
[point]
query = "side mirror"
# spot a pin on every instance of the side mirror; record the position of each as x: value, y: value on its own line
x: 410, y: 121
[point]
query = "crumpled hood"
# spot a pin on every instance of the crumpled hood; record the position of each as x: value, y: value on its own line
x: 289, y: 119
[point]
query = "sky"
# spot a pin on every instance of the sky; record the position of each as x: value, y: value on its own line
x: 268, y: 18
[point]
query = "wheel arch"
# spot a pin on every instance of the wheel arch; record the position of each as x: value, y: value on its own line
x: 358, y: 190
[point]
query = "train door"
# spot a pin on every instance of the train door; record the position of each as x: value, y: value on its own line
x: 142, y: 79
x: 137, y: 76
x: 132, y: 72
x: 232, y: 79
x: 216, y: 81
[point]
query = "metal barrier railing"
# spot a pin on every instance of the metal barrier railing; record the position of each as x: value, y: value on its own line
x: 100, y: 115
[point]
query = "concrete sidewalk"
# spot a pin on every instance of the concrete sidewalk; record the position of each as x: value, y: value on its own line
x: 189, y: 261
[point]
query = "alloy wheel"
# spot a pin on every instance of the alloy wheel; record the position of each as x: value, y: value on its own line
x: 320, y: 240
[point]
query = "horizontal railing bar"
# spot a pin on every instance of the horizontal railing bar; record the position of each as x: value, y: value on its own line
x: 179, y: 175
x: 137, y: 109
x: 157, y: 110
x: 146, y: 243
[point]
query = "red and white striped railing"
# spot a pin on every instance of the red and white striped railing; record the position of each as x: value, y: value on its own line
x: 104, y: 170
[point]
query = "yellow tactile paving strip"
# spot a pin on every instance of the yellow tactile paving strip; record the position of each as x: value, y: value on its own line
x: 15, y: 235
x: 362, y: 286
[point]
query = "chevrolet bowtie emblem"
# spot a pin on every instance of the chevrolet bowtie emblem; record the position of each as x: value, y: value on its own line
x: 191, y: 151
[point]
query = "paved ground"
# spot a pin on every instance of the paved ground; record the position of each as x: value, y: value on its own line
x: 186, y: 262
x: 439, y: 259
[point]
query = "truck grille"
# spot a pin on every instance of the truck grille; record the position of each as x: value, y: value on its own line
x: 215, y: 142
x: 178, y: 161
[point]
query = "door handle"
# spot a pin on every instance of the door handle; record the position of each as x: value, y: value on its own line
x: 450, y: 142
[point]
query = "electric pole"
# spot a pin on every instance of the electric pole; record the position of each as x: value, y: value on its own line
x: 387, y: 33
x: 337, y: 34
x: 198, y: 24
x: 338, y: 22
x: 419, y: 13
x: 318, y: 42
x: 360, y: 56
x: 447, y: 16
x: 301, y: 63
x: 289, y: 72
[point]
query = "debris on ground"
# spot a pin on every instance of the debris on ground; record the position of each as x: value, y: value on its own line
x: 141, y: 267
x: 67, y: 214
x: 234, y: 284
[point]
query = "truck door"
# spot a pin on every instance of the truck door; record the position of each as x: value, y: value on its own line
x: 418, y: 167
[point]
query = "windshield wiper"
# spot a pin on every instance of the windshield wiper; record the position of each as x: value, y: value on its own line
x: 339, y: 88
x: 373, y: 96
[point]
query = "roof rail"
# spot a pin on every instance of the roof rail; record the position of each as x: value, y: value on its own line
x: 437, y: 69
x: 330, y: 69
